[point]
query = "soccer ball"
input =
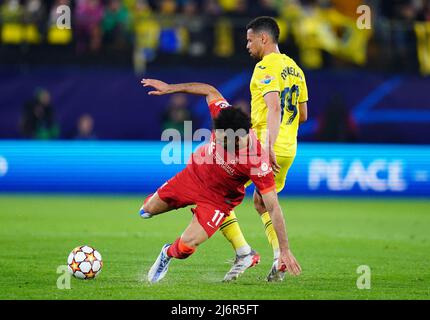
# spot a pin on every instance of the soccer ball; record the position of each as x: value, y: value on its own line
x: 84, y: 262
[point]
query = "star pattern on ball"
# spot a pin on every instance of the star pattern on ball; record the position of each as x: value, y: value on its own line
x: 82, y: 262
x: 75, y: 266
x: 90, y: 257
x: 76, y: 249
x: 90, y: 274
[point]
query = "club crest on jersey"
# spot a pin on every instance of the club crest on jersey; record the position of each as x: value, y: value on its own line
x: 267, y: 79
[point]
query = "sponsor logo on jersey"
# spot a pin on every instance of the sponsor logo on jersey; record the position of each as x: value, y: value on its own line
x: 264, y: 170
x: 267, y: 79
x: 264, y: 166
x: 261, y: 67
x: 220, y: 161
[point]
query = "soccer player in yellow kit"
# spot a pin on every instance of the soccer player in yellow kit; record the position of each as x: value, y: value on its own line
x: 278, y: 105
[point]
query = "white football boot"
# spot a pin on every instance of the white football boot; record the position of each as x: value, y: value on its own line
x: 144, y: 215
x: 160, y: 267
x: 241, y: 264
x: 275, y: 274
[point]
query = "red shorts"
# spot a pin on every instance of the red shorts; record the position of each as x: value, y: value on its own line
x: 181, y: 191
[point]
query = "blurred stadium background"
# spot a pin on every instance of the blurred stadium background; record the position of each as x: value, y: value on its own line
x: 366, y: 86
x: 74, y: 118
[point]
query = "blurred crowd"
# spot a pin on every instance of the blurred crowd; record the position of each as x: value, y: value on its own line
x: 148, y: 28
x: 107, y: 13
x: 39, y: 121
x: 406, y: 10
x: 145, y: 28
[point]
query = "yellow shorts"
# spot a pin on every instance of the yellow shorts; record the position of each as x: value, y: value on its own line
x: 280, y: 178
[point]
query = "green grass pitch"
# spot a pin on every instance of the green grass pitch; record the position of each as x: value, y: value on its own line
x: 330, y: 238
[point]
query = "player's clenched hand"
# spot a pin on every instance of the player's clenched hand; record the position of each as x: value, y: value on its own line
x: 159, y: 86
x: 287, y: 262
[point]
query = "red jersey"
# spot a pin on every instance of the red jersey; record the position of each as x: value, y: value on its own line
x: 220, y: 176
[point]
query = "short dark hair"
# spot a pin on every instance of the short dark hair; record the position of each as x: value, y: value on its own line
x: 267, y: 24
x: 232, y: 118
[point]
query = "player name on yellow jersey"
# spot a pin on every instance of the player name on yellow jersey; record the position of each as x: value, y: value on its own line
x: 290, y: 71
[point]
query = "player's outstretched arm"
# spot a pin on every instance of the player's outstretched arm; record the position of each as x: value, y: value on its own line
x: 286, y: 257
x: 197, y: 88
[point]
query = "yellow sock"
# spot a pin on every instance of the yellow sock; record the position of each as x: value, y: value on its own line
x: 270, y: 233
x: 231, y: 230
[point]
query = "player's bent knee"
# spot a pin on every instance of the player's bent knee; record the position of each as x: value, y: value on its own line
x: 260, y: 207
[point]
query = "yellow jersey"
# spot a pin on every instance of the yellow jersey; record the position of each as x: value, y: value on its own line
x: 277, y: 72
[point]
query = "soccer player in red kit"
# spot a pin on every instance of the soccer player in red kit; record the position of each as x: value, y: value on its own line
x: 214, y: 180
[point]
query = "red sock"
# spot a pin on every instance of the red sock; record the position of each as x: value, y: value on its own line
x: 180, y: 250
